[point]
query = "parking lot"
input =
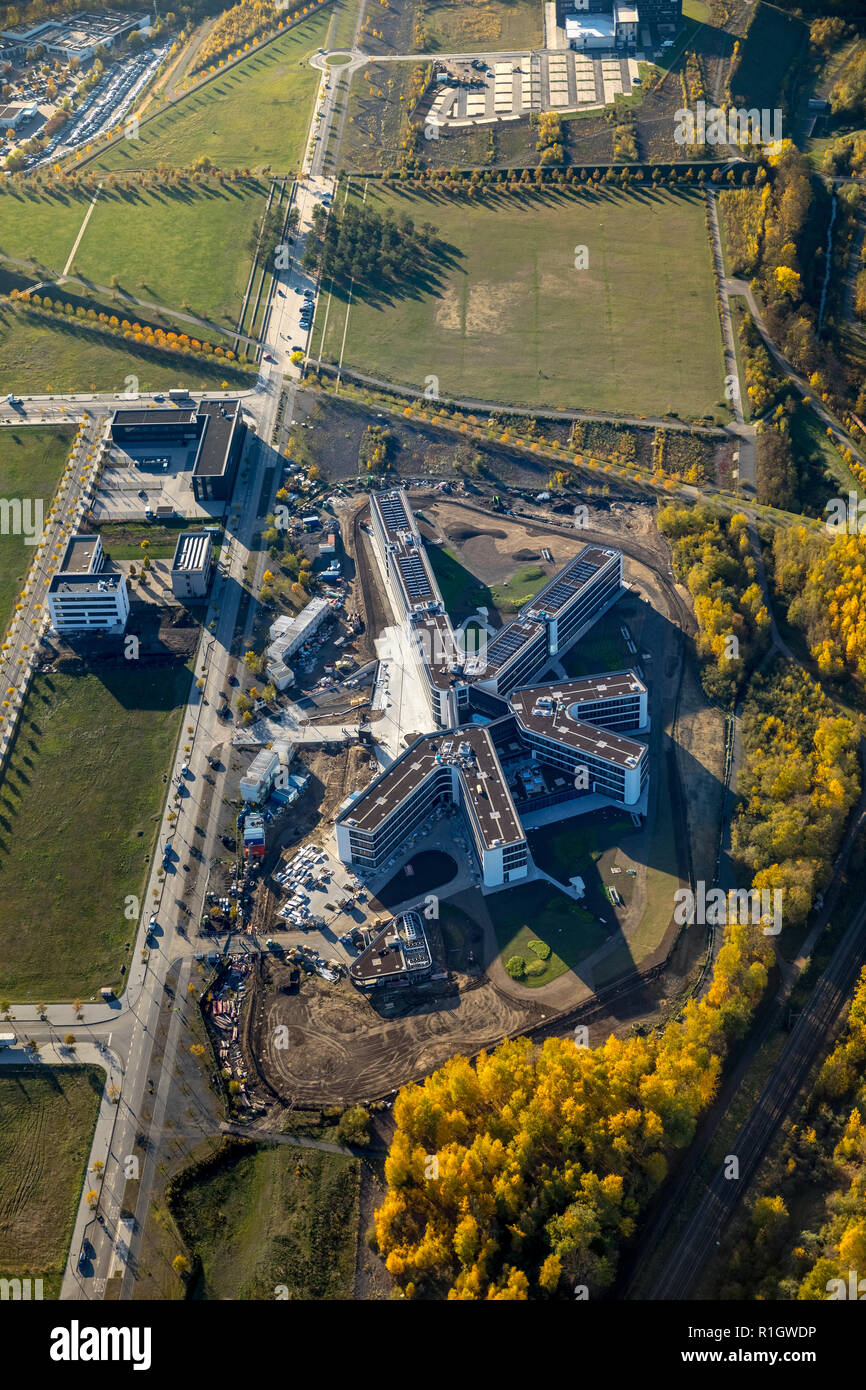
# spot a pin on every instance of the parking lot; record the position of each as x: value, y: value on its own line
x: 560, y: 81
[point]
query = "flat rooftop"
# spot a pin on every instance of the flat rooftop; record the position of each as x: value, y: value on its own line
x: 399, y: 949
x: 614, y: 686
x: 411, y: 563
x: 560, y: 590
x: 555, y: 722
x: 85, y: 584
x: 221, y: 418
x: 557, y: 594
x: 192, y: 552
x: 184, y: 415
x: 79, y: 555
x: 470, y: 751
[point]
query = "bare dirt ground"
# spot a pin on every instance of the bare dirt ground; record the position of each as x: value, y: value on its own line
x: 341, y: 1049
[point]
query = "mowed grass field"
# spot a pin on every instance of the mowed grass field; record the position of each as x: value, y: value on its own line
x: 183, y: 250
x: 79, y: 810
x: 539, y: 912
x: 256, y: 114
x: 511, y: 319
x: 46, y: 356
x: 268, y: 1216
x: 179, y: 247
x: 47, y: 1115
x: 458, y: 25
x: 41, y: 227
x: 31, y: 462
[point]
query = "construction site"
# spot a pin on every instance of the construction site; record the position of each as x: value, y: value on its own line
x: 339, y: 1045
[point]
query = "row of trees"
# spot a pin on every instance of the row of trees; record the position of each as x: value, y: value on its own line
x: 522, y: 1176
x: 101, y: 322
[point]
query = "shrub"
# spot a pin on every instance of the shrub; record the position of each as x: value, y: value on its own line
x: 536, y: 967
x: 516, y: 967
x: 540, y: 948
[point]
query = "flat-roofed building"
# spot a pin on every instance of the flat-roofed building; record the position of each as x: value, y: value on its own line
x: 550, y: 623
x: 88, y: 603
x: 552, y: 744
x: 219, y: 450
x: 215, y: 430
x: 457, y: 769
x: 398, y: 955
x: 258, y: 781
x: 418, y: 603
x: 83, y: 555
x: 612, y: 766
x: 192, y: 565
x: 288, y: 634
x: 614, y: 701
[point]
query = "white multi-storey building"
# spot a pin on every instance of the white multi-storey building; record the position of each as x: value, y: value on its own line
x: 545, y: 745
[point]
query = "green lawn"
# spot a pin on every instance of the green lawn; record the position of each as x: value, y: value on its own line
x: 79, y: 811
x: 255, y: 115
x: 40, y: 227
x: 47, y: 1115
x: 31, y: 462
x: 603, y: 648
x: 539, y: 912
x: 468, y: 25
x: 502, y: 314
x: 269, y: 1216
x: 185, y: 249
x: 121, y: 540
x: 180, y: 247
x: 462, y: 592
x: 43, y: 355
x: 344, y: 16
x: 520, y: 588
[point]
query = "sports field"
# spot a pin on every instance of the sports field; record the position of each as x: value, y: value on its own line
x: 79, y: 811
x: 31, y: 462
x: 502, y: 313
x: 256, y: 114
x: 47, y: 1115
